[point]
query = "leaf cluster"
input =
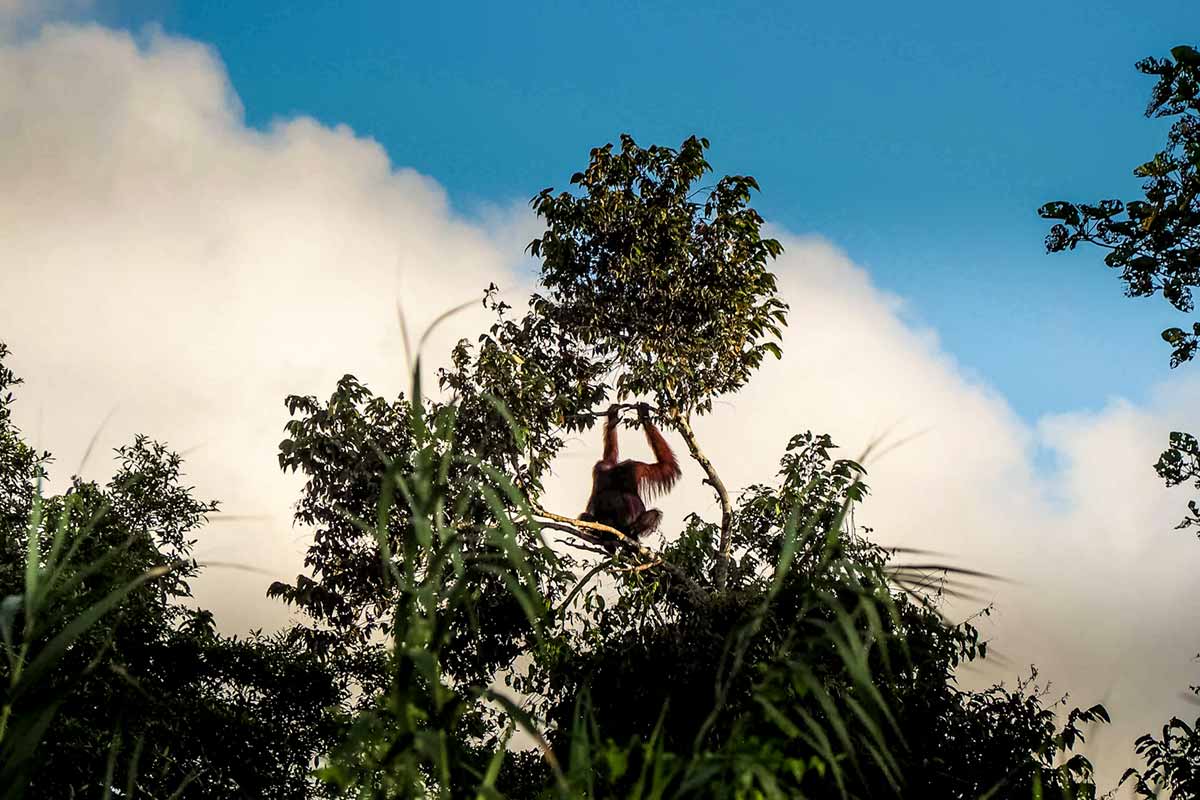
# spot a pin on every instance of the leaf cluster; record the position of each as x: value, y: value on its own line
x: 1155, y: 241
x: 664, y: 281
x: 1172, y: 763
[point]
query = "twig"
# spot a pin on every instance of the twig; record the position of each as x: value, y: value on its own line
x: 576, y: 532
x: 594, y: 550
x: 604, y: 413
x: 641, y: 567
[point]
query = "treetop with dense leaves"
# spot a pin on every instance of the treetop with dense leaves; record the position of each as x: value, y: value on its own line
x: 665, y: 281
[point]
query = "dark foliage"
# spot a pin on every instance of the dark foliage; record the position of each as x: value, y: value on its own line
x: 149, y: 691
x: 1155, y: 243
x: 1172, y: 763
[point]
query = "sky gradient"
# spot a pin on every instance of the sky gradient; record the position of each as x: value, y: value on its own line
x: 918, y: 137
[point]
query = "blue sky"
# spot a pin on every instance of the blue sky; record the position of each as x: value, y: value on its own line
x: 919, y: 137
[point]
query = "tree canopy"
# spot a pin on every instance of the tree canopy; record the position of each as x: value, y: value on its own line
x: 109, y: 674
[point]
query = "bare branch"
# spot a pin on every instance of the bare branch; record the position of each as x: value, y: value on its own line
x: 594, y: 550
x: 604, y: 413
x: 582, y: 528
x: 641, y: 567
x: 681, y: 424
x: 585, y: 535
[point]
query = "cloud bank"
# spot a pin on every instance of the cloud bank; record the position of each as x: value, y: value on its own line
x: 169, y: 269
x: 167, y: 265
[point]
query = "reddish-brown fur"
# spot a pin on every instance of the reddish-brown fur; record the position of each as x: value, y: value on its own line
x: 618, y: 486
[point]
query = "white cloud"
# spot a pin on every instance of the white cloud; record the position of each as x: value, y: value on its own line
x: 162, y: 259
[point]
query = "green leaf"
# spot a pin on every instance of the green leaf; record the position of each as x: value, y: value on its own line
x: 1186, y: 55
x: 78, y: 626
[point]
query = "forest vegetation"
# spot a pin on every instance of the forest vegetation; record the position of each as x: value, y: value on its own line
x: 459, y: 639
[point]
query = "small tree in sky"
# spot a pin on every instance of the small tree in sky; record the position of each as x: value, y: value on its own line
x: 772, y: 652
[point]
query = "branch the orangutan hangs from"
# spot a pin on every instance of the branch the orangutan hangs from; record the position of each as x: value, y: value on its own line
x: 618, y: 487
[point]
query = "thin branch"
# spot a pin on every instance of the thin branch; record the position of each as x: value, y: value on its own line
x: 582, y: 528
x: 604, y: 413
x: 641, y: 567
x: 681, y: 424
x: 587, y: 537
x: 593, y: 550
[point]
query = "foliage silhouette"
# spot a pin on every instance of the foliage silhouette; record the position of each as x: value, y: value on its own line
x: 1155, y: 242
x: 106, y: 668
